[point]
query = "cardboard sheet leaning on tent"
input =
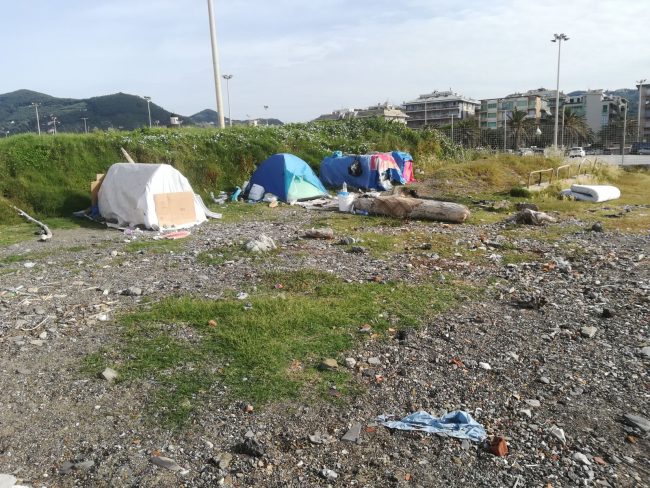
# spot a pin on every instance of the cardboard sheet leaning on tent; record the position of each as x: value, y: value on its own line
x: 154, y: 196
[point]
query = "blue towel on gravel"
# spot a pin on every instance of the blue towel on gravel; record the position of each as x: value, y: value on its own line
x: 457, y: 424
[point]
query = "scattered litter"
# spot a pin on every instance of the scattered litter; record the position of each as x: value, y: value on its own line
x: 530, y: 217
x: 592, y: 193
x: 457, y: 424
x: 242, y: 295
x: 168, y: 463
x: 319, y: 438
x: 328, y: 474
x: 177, y: 235
x: 262, y: 243
x: 499, y: 447
x: 221, y: 199
x: 353, y: 434
x: 558, y: 434
x: 29, y: 264
x: 325, y: 233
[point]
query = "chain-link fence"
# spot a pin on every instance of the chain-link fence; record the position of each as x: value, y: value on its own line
x: 531, y: 137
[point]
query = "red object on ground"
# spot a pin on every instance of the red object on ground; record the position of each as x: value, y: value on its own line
x: 499, y: 447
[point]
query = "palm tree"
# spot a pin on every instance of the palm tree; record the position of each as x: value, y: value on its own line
x: 575, y: 126
x: 517, y: 120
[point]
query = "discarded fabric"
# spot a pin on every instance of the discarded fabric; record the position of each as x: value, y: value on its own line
x: 457, y: 424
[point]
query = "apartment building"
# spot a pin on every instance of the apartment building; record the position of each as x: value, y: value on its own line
x: 384, y: 110
x: 493, y: 111
x: 439, y: 108
x: 644, y: 111
x: 597, y: 108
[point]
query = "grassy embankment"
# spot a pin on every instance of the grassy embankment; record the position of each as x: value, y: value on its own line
x: 271, y: 351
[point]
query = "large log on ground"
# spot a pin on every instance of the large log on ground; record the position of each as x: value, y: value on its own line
x: 413, y: 208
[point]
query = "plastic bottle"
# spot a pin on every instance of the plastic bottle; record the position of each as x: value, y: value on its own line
x: 344, y: 189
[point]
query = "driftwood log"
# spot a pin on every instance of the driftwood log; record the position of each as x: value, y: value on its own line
x: 412, y: 208
x: 48, y: 233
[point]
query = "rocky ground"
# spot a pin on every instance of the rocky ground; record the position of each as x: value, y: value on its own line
x: 553, y: 356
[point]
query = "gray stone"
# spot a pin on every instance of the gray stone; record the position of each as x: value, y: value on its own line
x: 262, y: 243
x: 353, y: 434
x: 350, y: 362
x: 485, y: 366
x: 328, y: 474
x: 374, y: 361
x: 7, y: 481
x: 132, y: 291
x: 533, y: 403
x: 558, y: 434
x: 109, y: 374
x: 645, y: 352
x: 544, y: 380
x: 597, y: 227
x: 464, y: 445
x: 588, y: 332
x: 168, y: 463
x: 581, y: 458
x: 637, y: 422
x: 66, y: 467
x: 329, y: 364
x: 85, y: 465
x: 223, y: 460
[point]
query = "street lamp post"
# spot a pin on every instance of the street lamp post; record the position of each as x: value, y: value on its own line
x: 266, y: 109
x: 638, y: 124
x: 38, y: 122
x: 452, y: 128
x: 624, y: 130
x: 148, y: 99
x: 215, y: 64
x: 558, y: 38
x: 228, y: 78
x: 85, y: 124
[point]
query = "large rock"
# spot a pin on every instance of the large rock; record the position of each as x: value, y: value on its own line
x: 638, y: 422
x: 263, y: 243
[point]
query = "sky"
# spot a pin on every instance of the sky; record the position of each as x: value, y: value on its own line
x: 303, y: 58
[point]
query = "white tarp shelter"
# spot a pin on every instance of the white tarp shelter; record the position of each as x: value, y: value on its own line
x: 156, y: 196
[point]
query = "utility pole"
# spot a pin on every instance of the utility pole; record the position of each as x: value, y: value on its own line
x: 266, y: 109
x: 85, y: 125
x: 215, y: 64
x: 624, y: 130
x: 148, y: 99
x: 557, y: 38
x: 38, y: 122
x: 228, y: 78
x: 638, y: 124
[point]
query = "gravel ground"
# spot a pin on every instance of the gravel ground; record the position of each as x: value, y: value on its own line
x: 550, y: 357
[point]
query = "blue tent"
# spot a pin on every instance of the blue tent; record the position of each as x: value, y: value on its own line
x: 288, y: 177
x: 377, y: 171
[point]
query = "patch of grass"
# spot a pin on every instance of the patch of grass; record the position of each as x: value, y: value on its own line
x: 13, y: 234
x: 159, y: 246
x: 314, y: 316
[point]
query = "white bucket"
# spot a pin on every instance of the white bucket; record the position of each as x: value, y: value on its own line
x: 346, y: 200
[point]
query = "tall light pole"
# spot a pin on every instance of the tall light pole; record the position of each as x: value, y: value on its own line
x: 558, y: 38
x: 228, y: 78
x: 638, y: 122
x: 452, y: 127
x: 266, y: 109
x: 215, y: 64
x: 624, y: 130
x: 85, y: 124
x: 148, y: 99
x: 38, y: 122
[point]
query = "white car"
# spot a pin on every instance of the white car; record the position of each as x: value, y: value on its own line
x: 644, y: 150
x: 576, y: 152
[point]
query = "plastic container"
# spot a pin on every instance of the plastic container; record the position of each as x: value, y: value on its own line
x: 346, y: 201
x: 256, y: 193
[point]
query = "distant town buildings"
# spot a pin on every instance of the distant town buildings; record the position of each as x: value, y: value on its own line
x: 384, y: 110
x: 495, y: 110
x: 644, y: 108
x: 597, y: 108
x: 439, y: 108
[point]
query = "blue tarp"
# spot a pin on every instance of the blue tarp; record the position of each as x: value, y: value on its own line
x: 400, y: 158
x: 457, y: 424
x: 366, y: 172
x: 288, y: 177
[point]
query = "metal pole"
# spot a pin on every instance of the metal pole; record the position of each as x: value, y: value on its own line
x: 38, y: 122
x: 638, y: 124
x: 215, y: 64
x: 624, y: 129
x: 85, y: 125
x: 505, y: 133
x: 148, y: 99
x: 562, y: 127
x: 227, y: 78
x: 425, y: 113
x: 557, y: 38
x: 452, y: 127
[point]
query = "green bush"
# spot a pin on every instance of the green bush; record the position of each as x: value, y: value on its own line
x: 50, y: 175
